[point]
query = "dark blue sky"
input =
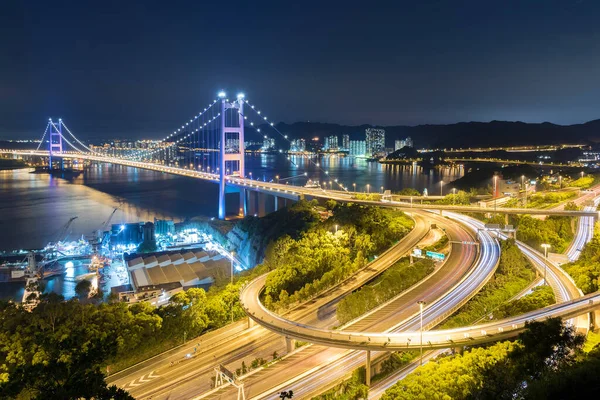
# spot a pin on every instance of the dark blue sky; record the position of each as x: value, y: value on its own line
x: 140, y: 68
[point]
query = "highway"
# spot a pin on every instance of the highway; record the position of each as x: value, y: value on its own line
x: 585, y: 227
x: 321, y: 366
x: 192, y: 375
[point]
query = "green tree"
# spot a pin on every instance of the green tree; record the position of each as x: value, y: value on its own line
x: 83, y: 288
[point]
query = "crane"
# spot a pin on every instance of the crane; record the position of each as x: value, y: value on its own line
x: 98, y: 235
x: 62, y: 233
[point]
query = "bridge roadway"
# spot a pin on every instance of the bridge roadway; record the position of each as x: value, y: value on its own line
x: 235, y: 344
x: 316, y: 366
x: 297, y: 192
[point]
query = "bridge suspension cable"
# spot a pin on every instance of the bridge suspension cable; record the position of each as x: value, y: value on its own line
x: 175, y: 133
x: 271, y: 124
x: 43, y: 136
x: 60, y: 121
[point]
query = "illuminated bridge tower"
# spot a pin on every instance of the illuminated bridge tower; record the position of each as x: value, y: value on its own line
x: 231, y: 147
x: 55, y: 141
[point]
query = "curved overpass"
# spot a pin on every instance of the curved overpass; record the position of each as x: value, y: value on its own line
x: 297, y: 192
x: 435, y: 339
x: 454, y: 298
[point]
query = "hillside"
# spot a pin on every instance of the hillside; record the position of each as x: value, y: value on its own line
x: 463, y: 134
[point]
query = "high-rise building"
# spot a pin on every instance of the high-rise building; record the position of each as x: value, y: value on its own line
x: 268, y: 144
x: 357, y: 148
x: 331, y: 143
x: 375, y: 141
x: 398, y: 144
x: 346, y: 142
x: 298, y: 146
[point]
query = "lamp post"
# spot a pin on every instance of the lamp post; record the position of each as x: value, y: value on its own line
x: 354, y: 186
x: 232, y: 254
x: 495, y: 191
x: 546, y: 247
x: 336, y: 227
x: 441, y: 185
x: 421, y: 303
x: 454, y: 196
x: 382, y: 190
x: 368, y: 187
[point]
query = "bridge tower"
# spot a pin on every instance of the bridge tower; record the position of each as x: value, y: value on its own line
x: 55, y: 141
x: 231, y: 160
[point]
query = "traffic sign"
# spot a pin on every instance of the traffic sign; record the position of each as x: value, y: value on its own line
x: 434, y: 255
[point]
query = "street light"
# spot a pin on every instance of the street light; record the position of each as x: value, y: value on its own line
x: 441, y: 185
x: 368, y: 188
x: 336, y: 228
x: 232, y: 254
x: 454, y: 196
x: 354, y: 185
x: 421, y: 303
x: 382, y: 190
x: 495, y: 191
x: 546, y: 247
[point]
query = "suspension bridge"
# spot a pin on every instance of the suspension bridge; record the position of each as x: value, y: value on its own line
x: 210, y: 146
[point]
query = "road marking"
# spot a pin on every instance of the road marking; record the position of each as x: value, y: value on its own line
x: 141, y: 380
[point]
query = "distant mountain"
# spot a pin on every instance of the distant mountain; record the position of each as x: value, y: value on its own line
x: 463, y: 134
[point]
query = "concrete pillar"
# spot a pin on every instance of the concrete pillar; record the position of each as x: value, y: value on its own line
x: 252, y: 198
x: 251, y: 323
x: 505, y: 219
x: 243, y: 203
x: 290, y: 344
x: 262, y: 204
x: 368, y: 369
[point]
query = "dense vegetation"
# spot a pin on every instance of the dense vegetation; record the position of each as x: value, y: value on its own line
x: 543, y: 357
x: 392, y: 282
x: 540, y: 297
x: 545, y: 200
x: 513, y: 275
x: 56, y: 350
x: 586, y: 270
x: 556, y: 231
x: 329, y: 252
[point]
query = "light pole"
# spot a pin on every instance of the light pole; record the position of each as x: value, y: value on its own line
x: 546, y: 247
x: 354, y: 186
x: 441, y: 185
x: 495, y: 191
x: 382, y: 190
x: 421, y: 303
x: 454, y: 196
x: 232, y: 254
x: 560, y: 181
x: 368, y: 187
x: 336, y: 228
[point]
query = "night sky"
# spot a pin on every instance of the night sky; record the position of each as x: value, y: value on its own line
x: 140, y: 68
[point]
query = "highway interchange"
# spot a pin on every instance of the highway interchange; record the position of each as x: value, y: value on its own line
x: 185, y: 372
